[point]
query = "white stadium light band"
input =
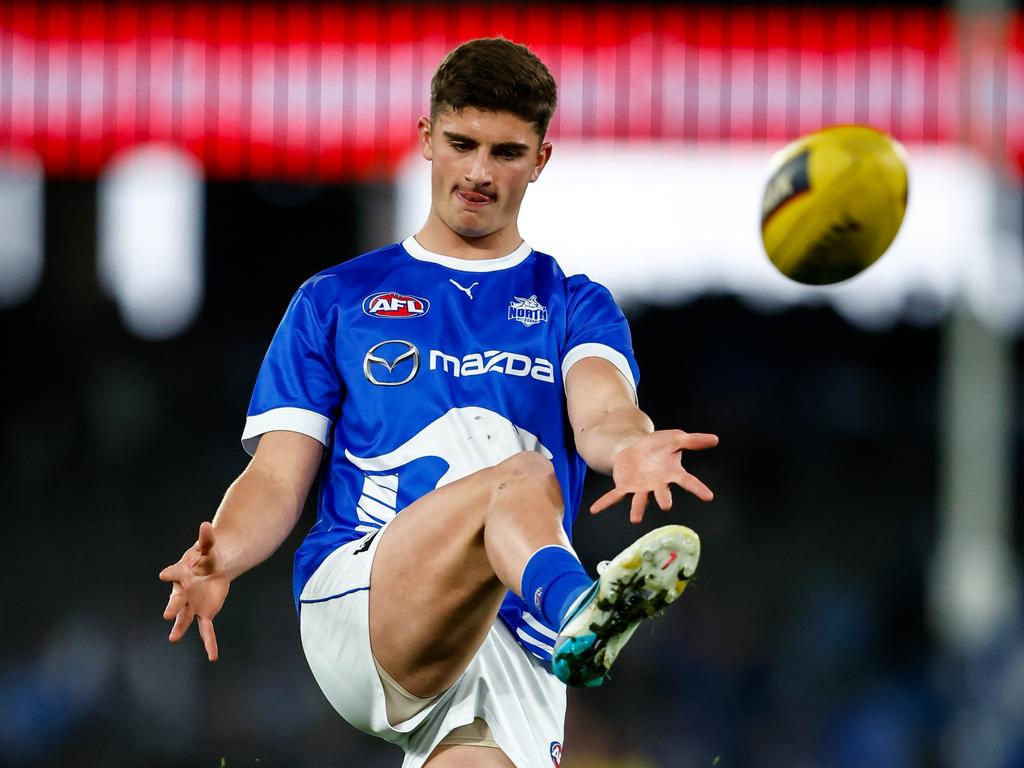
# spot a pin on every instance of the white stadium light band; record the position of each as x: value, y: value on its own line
x: 150, y: 243
x: 21, y: 226
x: 678, y: 222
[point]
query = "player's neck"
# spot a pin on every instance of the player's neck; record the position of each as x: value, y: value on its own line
x: 439, y: 238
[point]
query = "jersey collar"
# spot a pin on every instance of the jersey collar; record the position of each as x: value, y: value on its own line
x: 417, y: 251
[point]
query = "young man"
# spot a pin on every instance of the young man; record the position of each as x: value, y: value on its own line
x: 461, y: 379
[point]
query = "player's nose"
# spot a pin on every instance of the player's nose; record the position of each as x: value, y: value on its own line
x: 479, y: 172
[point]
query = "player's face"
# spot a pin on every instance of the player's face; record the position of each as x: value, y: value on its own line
x: 481, y: 164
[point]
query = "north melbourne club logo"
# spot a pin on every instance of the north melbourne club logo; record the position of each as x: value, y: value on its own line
x: 527, y: 311
x: 391, y: 304
x: 556, y: 753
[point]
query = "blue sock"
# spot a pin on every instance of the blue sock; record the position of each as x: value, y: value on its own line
x: 552, y: 579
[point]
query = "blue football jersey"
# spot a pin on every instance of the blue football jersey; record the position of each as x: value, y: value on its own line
x: 416, y: 369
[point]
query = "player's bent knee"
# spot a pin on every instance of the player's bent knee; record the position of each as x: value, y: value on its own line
x: 526, y: 475
x: 525, y: 467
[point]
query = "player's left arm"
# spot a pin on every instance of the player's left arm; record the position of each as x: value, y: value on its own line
x: 617, y: 438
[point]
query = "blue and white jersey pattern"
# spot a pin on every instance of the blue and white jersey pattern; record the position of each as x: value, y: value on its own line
x: 416, y: 369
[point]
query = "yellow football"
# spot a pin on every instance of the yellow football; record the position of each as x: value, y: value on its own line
x: 834, y: 202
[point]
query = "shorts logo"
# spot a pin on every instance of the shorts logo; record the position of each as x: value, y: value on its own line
x: 556, y: 753
x: 538, y: 598
x: 366, y: 544
x: 527, y: 311
x: 391, y: 304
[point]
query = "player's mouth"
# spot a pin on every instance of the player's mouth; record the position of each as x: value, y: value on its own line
x: 473, y: 199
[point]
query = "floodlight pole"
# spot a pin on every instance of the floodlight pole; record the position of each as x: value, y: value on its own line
x: 974, y: 579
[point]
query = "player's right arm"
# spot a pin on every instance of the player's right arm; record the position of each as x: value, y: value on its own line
x: 258, y: 512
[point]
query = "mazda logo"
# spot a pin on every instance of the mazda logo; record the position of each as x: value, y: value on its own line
x: 384, y: 358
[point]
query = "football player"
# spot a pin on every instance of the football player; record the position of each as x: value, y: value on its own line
x: 449, y: 392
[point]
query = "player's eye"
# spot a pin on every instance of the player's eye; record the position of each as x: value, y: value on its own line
x: 509, y: 154
x: 461, y: 146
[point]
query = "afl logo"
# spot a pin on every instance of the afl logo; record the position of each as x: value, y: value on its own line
x: 556, y: 753
x: 391, y: 304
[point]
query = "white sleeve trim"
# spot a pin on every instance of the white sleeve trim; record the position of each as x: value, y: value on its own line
x: 285, y: 419
x: 613, y: 356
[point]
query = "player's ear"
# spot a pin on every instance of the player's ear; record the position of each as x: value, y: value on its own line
x: 543, y: 155
x: 423, y: 127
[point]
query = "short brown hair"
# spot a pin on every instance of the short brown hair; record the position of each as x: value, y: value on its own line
x: 495, y: 75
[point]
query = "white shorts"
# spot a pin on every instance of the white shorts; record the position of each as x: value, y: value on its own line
x: 521, y: 702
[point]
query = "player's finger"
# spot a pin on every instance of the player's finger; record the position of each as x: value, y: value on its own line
x: 181, y: 624
x: 614, y: 496
x: 175, y: 604
x: 697, y: 441
x: 694, y: 485
x: 663, y: 496
x: 206, y: 538
x: 209, y: 637
x: 637, y: 507
x: 172, y: 572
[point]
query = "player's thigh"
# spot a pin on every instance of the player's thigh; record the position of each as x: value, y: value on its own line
x: 433, y: 591
x: 468, y: 757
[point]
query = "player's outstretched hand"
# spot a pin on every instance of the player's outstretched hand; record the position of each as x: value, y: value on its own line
x: 651, y: 465
x: 199, y: 588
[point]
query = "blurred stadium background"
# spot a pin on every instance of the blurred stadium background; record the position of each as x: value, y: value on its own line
x: 170, y: 173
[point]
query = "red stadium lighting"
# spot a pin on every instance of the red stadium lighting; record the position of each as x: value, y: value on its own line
x: 331, y: 92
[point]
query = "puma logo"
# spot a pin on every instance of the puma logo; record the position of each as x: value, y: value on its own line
x: 467, y: 291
